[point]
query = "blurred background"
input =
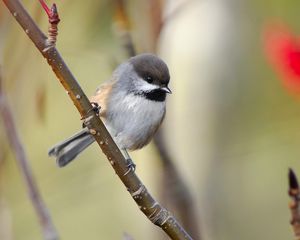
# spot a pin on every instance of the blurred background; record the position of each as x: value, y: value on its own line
x: 232, y: 127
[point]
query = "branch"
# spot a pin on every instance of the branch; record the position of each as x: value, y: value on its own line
x: 158, y: 22
x: 147, y: 204
x: 48, y: 229
x: 176, y: 191
x: 294, y: 205
x: 123, y: 27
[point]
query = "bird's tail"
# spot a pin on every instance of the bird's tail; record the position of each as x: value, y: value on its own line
x: 67, y: 150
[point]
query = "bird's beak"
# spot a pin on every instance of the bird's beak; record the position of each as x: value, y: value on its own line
x: 167, y: 90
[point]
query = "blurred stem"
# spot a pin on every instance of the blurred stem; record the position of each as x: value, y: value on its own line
x: 123, y: 27
x: 156, y: 9
x: 147, y: 204
x: 294, y: 205
x: 48, y: 229
x: 175, y: 190
x: 158, y: 22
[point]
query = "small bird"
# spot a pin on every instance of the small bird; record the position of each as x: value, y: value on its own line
x: 132, y: 106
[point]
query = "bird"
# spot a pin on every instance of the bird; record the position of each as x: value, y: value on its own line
x: 132, y: 106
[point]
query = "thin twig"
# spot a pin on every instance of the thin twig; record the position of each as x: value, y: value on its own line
x: 53, y: 20
x: 48, y: 229
x: 147, y: 204
x: 294, y: 205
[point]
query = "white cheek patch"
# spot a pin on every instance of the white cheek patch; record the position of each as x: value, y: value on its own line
x: 142, y: 85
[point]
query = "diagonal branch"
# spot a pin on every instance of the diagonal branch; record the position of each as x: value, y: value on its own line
x: 49, y: 231
x: 147, y: 204
x: 294, y: 205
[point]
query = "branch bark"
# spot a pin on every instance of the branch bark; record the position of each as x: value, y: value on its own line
x: 294, y: 205
x: 147, y: 204
x: 48, y: 229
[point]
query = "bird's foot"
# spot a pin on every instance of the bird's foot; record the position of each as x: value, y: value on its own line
x: 130, y: 165
x: 96, y: 108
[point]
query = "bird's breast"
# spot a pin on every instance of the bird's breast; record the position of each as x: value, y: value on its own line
x: 134, y: 119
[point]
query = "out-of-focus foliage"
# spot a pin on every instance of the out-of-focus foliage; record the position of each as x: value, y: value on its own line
x: 283, y: 50
x: 231, y: 126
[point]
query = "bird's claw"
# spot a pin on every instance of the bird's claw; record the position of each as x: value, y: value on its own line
x: 95, y: 107
x: 130, y: 165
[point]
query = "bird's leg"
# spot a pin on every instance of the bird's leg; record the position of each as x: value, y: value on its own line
x: 130, y: 164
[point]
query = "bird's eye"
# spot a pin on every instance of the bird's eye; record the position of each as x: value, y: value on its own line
x: 149, y: 79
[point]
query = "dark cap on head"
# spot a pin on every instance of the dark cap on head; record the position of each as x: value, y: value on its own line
x: 151, y: 68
